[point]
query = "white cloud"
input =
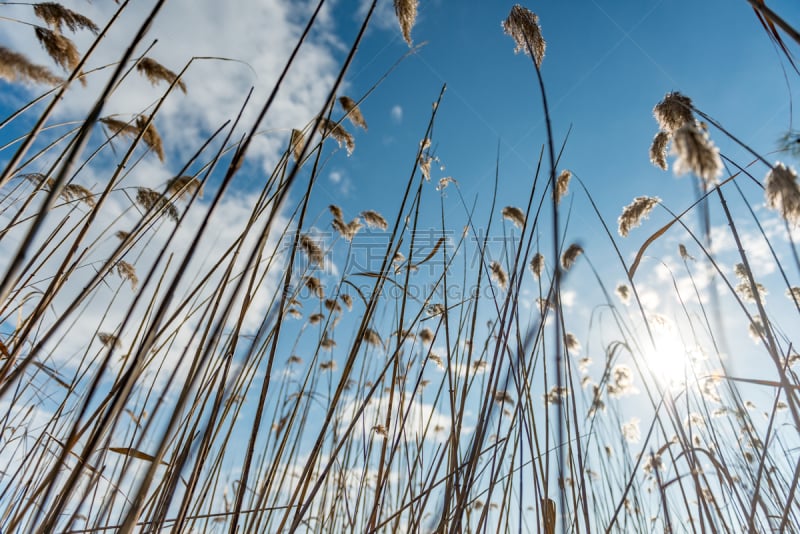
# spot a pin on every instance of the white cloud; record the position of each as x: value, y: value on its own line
x: 397, y: 114
x: 258, y: 35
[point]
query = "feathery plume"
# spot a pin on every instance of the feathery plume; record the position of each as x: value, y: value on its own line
x: 621, y: 381
x: 347, y: 230
x: 336, y: 211
x: 695, y: 153
x: 426, y: 335
x: 312, y: 250
x: 153, y: 200
x: 744, y: 289
x: 335, y: 130
x: 683, y: 253
x: 406, y: 11
x: 658, y: 150
x: 624, y: 293
x: 556, y: 395
x: 77, y: 192
x: 108, y: 340
x: 118, y: 127
x: 372, y: 337
x: 122, y: 235
x: 374, y: 219
x: 425, y: 166
x: 315, y: 318
x: 514, y: 215
x: 353, y: 112
x: 537, y: 265
x: 793, y: 293
x: 332, y: 305
x: 56, y: 16
x: 315, y: 286
x: 673, y: 112
x: 156, y: 72
x: 296, y: 143
x: 501, y: 397
x: 562, y: 184
x: 126, y: 271
x: 348, y: 301
x: 571, y: 254
x: 15, y: 66
x: 60, y: 49
x: 444, y: 182
x: 150, y: 136
x: 184, y: 186
x: 571, y: 343
x: 522, y: 25
x: 499, y: 275
x: 329, y: 365
x: 633, y: 213
x: 435, y: 309
x: 630, y: 430
x: 782, y: 192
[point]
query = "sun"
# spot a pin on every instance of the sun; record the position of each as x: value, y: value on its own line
x: 668, y: 358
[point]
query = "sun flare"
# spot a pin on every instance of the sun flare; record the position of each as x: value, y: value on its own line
x: 669, y: 359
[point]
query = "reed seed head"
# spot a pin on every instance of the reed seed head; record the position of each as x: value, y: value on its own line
x: 696, y: 153
x: 374, y: 219
x: 77, y: 192
x: 673, y: 112
x: 782, y: 192
x: 537, y: 265
x: 571, y: 342
x: 353, y: 112
x: 406, y: 11
x: 624, y: 293
x: 57, y: 16
x: 155, y: 72
x: 658, y: 150
x: 60, y: 49
x: 571, y: 254
x: 635, y: 212
x: 296, y: 144
x: 499, y: 275
x: 342, y: 136
x: 126, y: 271
x: 108, y: 340
x: 371, y: 337
x: 150, y: 136
x: 522, y: 25
x: 182, y: 186
x: 562, y: 184
x: 514, y: 215
x: 336, y: 211
x: 630, y: 430
x: 315, y: 286
x: 311, y: 249
x: 153, y: 200
x: 15, y: 66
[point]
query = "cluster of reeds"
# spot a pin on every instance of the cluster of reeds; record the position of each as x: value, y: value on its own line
x: 160, y: 371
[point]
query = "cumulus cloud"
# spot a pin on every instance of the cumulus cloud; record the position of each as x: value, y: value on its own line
x: 255, y: 39
x: 397, y: 114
